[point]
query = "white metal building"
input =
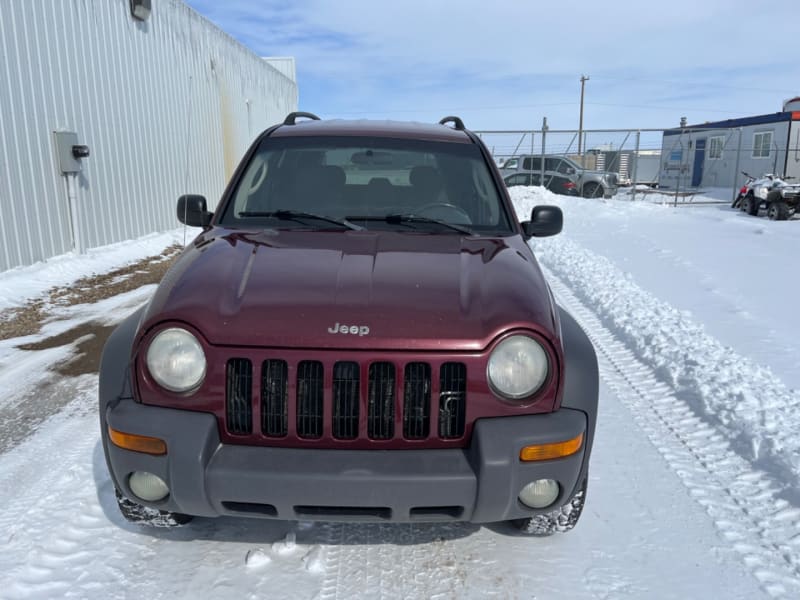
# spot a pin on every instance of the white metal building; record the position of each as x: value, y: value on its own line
x: 164, y: 100
x: 714, y: 154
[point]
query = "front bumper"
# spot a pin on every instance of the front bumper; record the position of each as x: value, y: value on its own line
x: 480, y: 483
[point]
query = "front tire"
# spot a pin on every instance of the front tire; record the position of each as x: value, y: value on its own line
x: 151, y: 517
x: 750, y: 205
x: 592, y: 190
x: 559, y: 520
x: 778, y: 211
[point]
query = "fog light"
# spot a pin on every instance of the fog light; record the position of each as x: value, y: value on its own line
x: 540, y: 493
x: 148, y: 487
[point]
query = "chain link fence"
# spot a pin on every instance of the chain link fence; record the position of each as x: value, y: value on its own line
x: 685, y: 162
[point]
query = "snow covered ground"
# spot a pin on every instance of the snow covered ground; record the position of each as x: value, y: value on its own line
x: 694, y: 489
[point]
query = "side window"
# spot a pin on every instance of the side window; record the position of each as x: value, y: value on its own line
x: 761, y: 144
x: 518, y: 179
x: 552, y: 164
x: 532, y: 163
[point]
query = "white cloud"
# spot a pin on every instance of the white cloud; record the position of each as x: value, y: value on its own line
x: 706, y: 60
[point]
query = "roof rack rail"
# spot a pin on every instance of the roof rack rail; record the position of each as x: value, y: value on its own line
x: 457, y: 123
x: 291, y: 118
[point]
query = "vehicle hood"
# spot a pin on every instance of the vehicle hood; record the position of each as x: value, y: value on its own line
x: 393, y: 290
x: 596, y: 173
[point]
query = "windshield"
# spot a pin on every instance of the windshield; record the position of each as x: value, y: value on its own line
x: 368, y: 182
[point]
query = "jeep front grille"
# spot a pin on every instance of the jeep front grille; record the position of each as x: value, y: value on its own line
x: 417, y: 401
x: 238, y: 392
x: 309, y: 399
x: 348, y: 401
x: 380, y: 416
x: 452, y: 400
x: 346, y: 387
x: 274, y: 398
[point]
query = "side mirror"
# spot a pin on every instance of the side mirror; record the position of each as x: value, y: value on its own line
x: 570, y: 171
x: 192, y: 211
x: 545, y: 221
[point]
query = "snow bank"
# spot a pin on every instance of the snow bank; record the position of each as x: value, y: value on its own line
x: 747, y: 402
x: 19, y: 285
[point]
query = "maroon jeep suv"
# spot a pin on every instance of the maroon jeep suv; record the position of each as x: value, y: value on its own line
x: 361, y: 332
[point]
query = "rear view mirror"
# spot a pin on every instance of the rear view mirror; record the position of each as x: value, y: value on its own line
x: 545, y: 221
x: 192, y: 211
x: 370, y: 157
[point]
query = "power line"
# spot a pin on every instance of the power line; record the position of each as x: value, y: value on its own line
x: 453, y: 109
x: 655, y: 107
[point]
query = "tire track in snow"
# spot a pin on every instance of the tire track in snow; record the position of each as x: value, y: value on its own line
x: 378, y: 557
x: 43, y: 562
x: 745, y: 401
x: 763, y: 529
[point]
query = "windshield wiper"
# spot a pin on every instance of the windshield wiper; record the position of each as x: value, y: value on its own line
x: 405, y: 219
x: 298, y: 215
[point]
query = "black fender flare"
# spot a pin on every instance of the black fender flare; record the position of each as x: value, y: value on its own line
x: 774, y: 196
x: 581, y: 379
x: 115, y: 373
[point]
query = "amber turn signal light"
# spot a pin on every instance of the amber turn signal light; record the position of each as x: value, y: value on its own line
x: 549, y: 451
x: 137, y: 443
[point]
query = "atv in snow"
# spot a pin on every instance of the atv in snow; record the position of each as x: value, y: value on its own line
x: 780, y: 198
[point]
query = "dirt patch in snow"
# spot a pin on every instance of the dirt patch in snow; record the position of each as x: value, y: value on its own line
x: 28, y: 319
x: 89, y: 339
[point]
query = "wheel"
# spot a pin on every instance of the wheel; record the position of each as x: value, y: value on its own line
x: 750, y: 205
x: 144, y: 515
x: 592, y: 190
x: 560, y: 520
x: 737, y: 203
x: 444, y: 211
x: 778, y: 211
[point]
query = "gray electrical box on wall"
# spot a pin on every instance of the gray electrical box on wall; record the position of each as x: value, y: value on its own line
x: 69, y: 152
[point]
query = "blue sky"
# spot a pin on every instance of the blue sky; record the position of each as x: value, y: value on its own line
x: 507, y: 65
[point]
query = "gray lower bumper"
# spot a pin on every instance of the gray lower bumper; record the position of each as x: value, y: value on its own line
x: 479, y: 484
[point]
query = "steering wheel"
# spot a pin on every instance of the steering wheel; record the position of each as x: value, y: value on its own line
x: 444, y: 211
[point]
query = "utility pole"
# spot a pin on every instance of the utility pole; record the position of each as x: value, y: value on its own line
x: 584, y: 79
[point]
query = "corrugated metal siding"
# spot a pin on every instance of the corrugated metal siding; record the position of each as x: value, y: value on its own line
x: 167, y: 107
x: 284, y: 64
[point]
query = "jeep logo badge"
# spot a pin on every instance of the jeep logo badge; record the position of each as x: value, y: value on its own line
x: 358, y: 330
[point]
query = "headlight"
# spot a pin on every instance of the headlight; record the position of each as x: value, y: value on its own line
x: 762, y: 191
x: 517, y: 367
x: 176, y: 360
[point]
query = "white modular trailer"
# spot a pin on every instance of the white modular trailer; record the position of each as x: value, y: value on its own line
x: 165, y: 105
x: 628, y: 164
x: 715, y: 154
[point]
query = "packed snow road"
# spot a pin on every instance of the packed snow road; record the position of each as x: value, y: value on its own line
x: 692, y: 491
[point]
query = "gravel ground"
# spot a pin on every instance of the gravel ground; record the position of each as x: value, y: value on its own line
x: 25, y: 407
x: 28, y: 320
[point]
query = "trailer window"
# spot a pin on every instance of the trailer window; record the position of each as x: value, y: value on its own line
x: 761, y: 144
x: 715, y: 147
